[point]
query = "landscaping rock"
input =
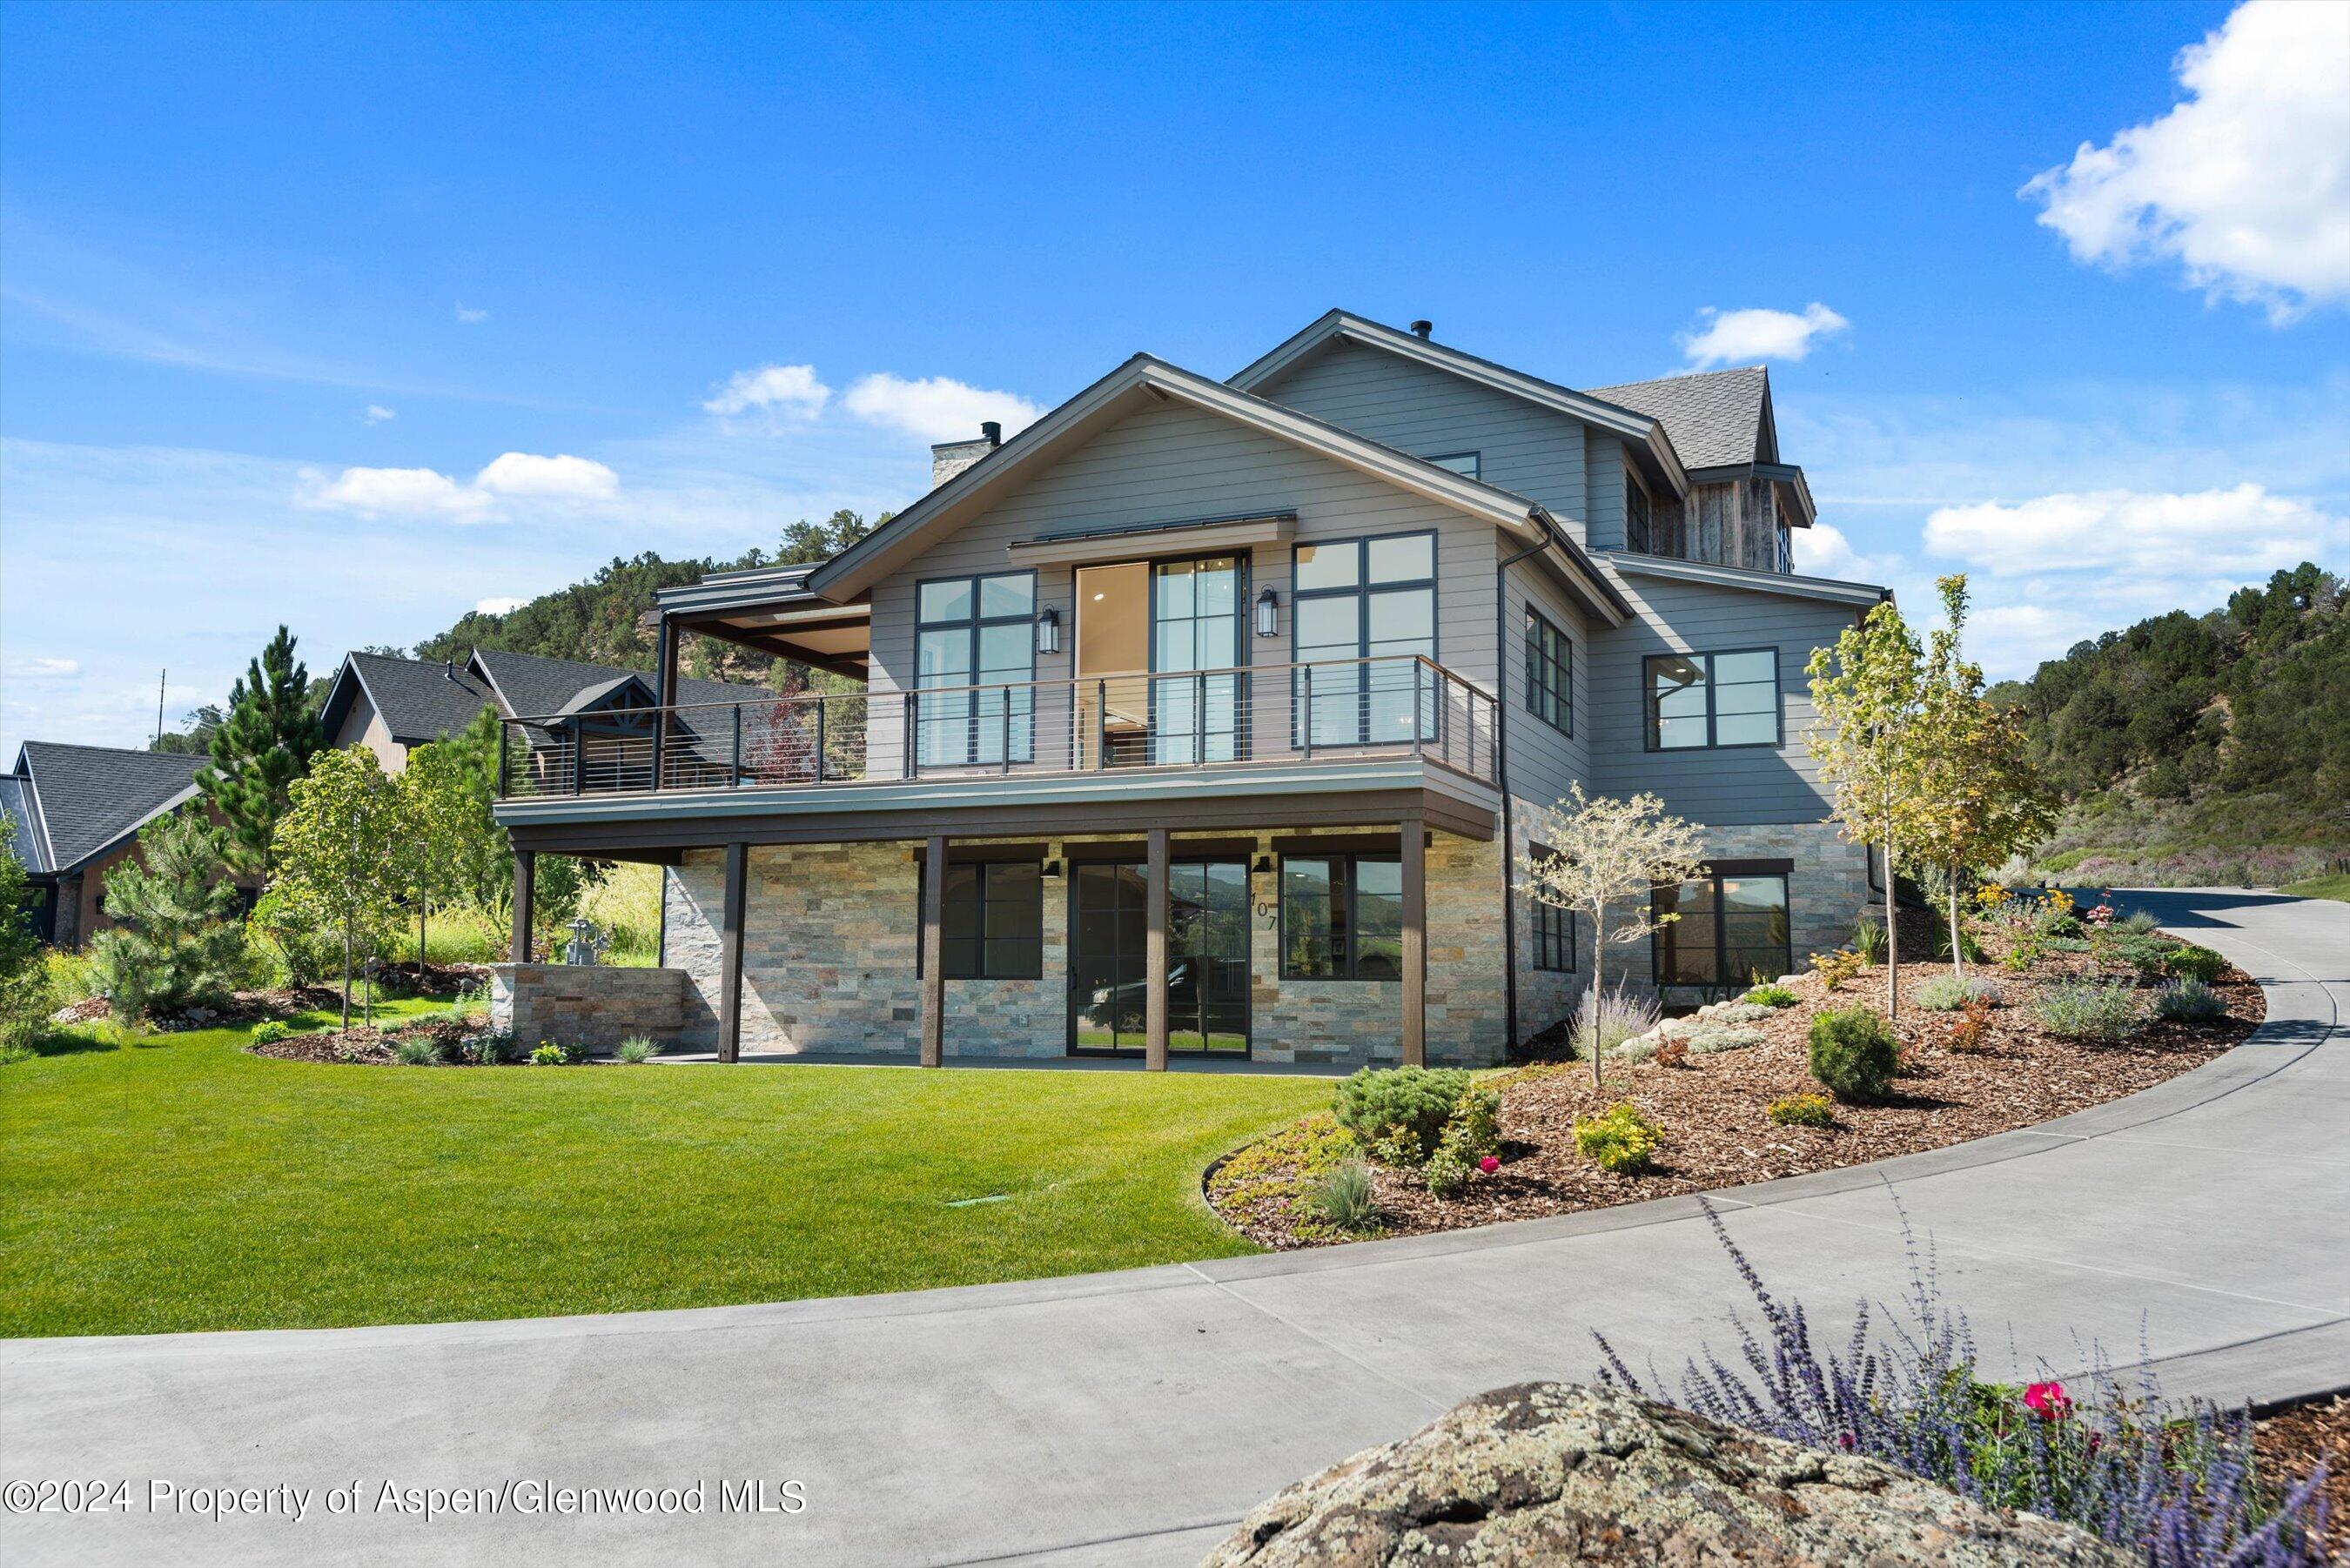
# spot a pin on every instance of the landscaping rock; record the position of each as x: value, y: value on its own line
x: 1558, y: 1473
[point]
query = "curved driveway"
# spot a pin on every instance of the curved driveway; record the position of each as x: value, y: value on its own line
x: 1129, y: 1419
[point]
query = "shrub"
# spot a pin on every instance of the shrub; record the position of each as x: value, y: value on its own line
x: 1802, y: 1111
x: 1833, y: 969
x: 637, y: 1048
x: 549, y: 1054
x: 1671, y: 1054
x: 1605, y: 1019
x: 1623, y: 1142
x: 2195, y: 964
x: 269, y: 1031
x: 1948, y: 993
x: 2148, y: 955
x: 1868, y: 940
x: 415, y: 1052
x: 2026, y: 952
x: 1447, y: 1174
x: 2137, y: 923
x: 2189, y: 1002
x: 1474, y: 1128
x: 2087, y: 1010
x: 1398, y: 1112
x: 2054, y: 916
x: 1971, y: 1030
x: 490, y: 1047
x: 1345, y: 1197
x: 1708, y: 1038
x: 1772, y: 995
x: 1853, y: 1053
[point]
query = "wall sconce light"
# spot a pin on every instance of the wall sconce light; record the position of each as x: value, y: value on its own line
x: 1053, y: 869
x: 1263, y: 867
x: 1048, y: 631
x: 1268, y: 614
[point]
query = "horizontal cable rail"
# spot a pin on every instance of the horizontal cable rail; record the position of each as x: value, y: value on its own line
x: 1403, y: 704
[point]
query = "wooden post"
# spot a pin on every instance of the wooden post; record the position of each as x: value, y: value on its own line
x: 1415, y: 942
x: 526, y: 883
x: 1154, y: 952
x: 934, y: 952
x: 730, y: 956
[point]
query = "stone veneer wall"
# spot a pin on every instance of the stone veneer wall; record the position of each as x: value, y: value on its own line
x: 595, y: 1005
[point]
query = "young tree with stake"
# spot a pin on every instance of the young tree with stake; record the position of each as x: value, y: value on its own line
x: 338, y: 849
x: 1868, y: 691
x: 1599, y: 854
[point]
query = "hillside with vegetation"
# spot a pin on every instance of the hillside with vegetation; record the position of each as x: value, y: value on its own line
x: 2209, y: 748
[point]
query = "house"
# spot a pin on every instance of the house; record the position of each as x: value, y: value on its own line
x: 392, y: 705
x: 1204, y: 718
x: 77, y: 811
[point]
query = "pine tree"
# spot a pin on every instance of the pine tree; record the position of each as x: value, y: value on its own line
x: 264, y: 745
x: 175, y: 941
x: 24, y: 979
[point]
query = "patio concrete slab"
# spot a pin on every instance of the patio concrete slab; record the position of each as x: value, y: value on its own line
x: 1130, y: 1419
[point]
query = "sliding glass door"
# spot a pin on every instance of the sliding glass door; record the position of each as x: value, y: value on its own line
x: 1195, y: 625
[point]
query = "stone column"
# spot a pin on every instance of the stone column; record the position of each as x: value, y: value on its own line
x: 1415, y: 942
x: 730, y: 955
x: 935, y: 955
x: 1154, y: 1036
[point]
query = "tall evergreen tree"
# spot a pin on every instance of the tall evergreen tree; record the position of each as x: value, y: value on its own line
x: 264, y: 745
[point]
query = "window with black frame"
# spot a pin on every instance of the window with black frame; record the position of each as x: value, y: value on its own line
x: 975, y: 632
x: 1550, y: 674
x: 1342, y: 917
x: 1636, y: 531
x: 1731, y: 929
x: 991, y: 922
x: 1554, y: 937
x: 1364, y: 608
x: 1712, y: 700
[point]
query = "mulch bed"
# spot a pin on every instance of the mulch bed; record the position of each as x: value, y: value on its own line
x: 1711, y: 1110
x: 2295, y: 1441
x: 368, y: 1047
x: 436, y: 979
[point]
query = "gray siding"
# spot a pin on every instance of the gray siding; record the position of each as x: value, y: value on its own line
x: 1167, y: 463
x: 1733, y: 785
x: 1521, y: 447
x: 1602, y: 479
x: 1543, y: 761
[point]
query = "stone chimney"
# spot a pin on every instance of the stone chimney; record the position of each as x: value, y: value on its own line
x: 949, y: 458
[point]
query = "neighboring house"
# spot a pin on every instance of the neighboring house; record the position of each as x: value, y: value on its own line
x: 1205, y: 716
x: 392, y: 705
x: 77, y: 811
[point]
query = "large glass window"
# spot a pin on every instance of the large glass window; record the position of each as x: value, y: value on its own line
x: 1732, y: 928
x: 1196, y: 626
x: 1554, y: 937
x: 1550, y: 674
x: 1714, y: 699
x: 975, y: 632
x: 1364, y: 608
x: 1342, y: 917
x: 993, y: 922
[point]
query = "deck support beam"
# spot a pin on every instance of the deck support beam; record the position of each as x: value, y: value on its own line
x: 1154, y: 950
x: 934, y: 954
x: 525, y: 887
x: 730, y: 955
x: 1415, y: 942
x: 664, y: 694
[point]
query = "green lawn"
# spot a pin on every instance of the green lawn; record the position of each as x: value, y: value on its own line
x: 183, y: 1183
x: 2322, y: 888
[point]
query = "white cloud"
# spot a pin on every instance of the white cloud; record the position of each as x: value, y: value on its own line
x: 1822, y: 551
x: 570, y: 478
x: 1733, y: 336
x: 469, y: 315
x: 936, y: 408
x: 398, y: 491
x: 791, y: 390
x: 377, y: 413
x: 2246, y: 184
x: 2119, y: 533
x: 42, y: 668
x: 498, y: 606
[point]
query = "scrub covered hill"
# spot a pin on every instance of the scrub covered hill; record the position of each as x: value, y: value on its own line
x: 2201, y: 749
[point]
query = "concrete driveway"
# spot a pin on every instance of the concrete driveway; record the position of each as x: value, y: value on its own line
x: 1130, y: 1419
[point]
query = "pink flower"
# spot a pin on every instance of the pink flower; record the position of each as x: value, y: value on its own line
x: 2047, y: 1401
x: 1846, y: 1440
x: 1490, y: 1164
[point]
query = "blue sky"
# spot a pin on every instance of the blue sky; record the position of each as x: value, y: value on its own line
x: 282, y: 288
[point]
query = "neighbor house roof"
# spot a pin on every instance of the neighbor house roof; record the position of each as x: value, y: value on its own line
x: 418, y: 701
x: 71, y: 804
x: 531, y: 687
x: 1716, y: 418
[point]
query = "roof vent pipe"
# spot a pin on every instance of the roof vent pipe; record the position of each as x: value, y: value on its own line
x: 992, y: 431
x: 1423, y: 328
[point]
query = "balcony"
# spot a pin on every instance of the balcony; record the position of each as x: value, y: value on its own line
x: 1206, y: 722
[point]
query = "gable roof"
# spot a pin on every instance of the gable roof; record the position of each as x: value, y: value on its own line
x: 17, y: 803
x: 1645, y: 434
x: 530, y: 687
x: 855, y: 569
x: 418, y: 701
x: 81, y: 801
x: 1716, y: 418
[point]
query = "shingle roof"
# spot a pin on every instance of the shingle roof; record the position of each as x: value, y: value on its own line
x: 1714, y: 417
x: 536, y: 687
x: 88, y: 797
x: 419, y: 701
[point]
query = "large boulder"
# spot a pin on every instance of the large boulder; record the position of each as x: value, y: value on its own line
x: 1558, y: 1473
